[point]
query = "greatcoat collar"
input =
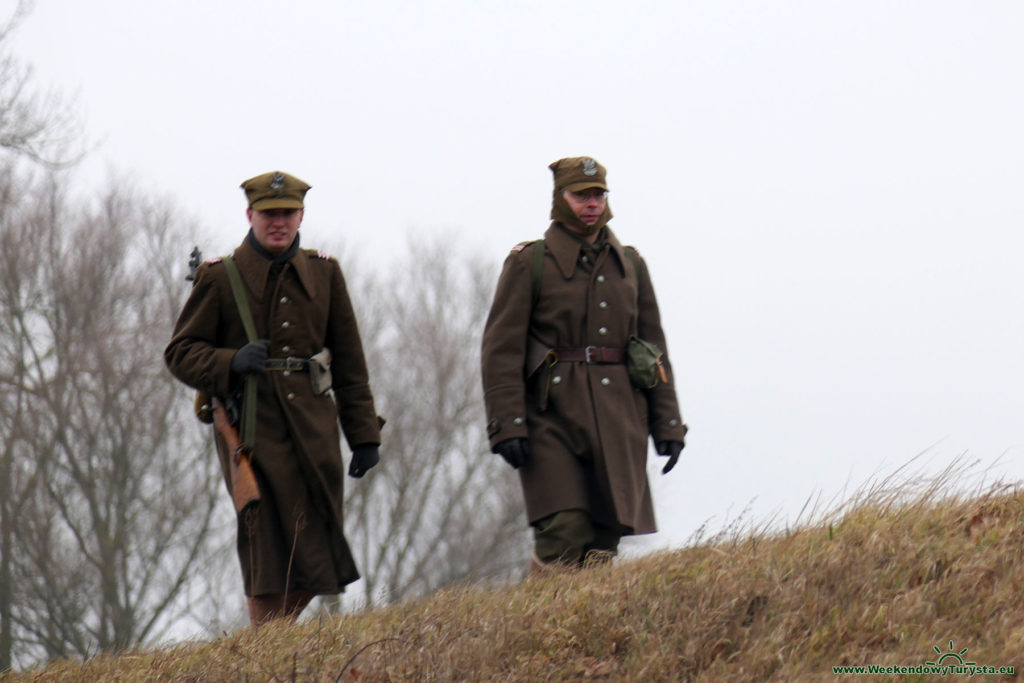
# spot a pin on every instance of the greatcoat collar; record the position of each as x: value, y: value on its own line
x: 255, y: 268
x: 566, y: 249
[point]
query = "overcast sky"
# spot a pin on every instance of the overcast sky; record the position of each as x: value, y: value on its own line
x: 828, y: 194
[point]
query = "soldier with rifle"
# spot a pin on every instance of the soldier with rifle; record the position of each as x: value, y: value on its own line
x: 269, y: 338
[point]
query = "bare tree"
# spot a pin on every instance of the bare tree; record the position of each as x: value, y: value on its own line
x: 39, y: 127
x: 34, y: 124
x: 98, y: 490
x: 440, y: 508
x: 107, y: 487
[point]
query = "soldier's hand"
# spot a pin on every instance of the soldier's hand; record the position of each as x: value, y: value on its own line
x: 515, y: 451
x: 671, y: 449
x: 363, y: 458
x: 250, y: 358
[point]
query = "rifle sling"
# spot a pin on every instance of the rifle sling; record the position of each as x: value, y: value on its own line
x: 247, y: 428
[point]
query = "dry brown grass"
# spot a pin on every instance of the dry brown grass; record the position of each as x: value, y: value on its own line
x: 885, y: 579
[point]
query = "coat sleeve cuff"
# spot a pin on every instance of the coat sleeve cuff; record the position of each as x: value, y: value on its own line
x: 508, y: 427
x: 669, y: 429
x: 221, y: 380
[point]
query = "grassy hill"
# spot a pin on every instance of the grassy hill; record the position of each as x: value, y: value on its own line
x: 889, y: 580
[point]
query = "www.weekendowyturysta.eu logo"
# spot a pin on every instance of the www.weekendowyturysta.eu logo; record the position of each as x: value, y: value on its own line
x: 950, y: 658
x: 950, y: 662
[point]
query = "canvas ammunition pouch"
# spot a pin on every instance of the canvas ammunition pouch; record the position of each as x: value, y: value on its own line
x: 320, y: 371
x: 643, y: 363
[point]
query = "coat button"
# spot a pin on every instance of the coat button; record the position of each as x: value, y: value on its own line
x: 286, y: 348
x: 286, y: 324
x: 603, y: 304
x: 602, y: 330
x: 291, y: 396
x: 286, y: 373
x: 673, y: 422
x: 605, y: 381
x: 600, y: 278
x: 557, y: 379
x: 517, y: 421
x: 284, y: 299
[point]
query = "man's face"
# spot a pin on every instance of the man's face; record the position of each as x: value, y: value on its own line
x: 275, y: 229
x: 588, y: 205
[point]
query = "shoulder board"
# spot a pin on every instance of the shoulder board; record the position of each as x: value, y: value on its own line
x: 318, y: 253
x: 523, y: 245
x: 633, y: 249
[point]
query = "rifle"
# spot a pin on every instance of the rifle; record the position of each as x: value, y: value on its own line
x: 194, y: 261
x: 245, y: 491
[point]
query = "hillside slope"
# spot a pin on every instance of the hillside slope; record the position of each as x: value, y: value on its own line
x: 885, y: 582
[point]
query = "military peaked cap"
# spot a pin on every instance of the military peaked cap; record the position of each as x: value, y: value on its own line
x: 275, y: 190
x: 577, y: 174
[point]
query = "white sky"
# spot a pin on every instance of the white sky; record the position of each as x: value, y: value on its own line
x: 827, y: 193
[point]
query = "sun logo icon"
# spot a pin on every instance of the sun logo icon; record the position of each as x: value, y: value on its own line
x: 955, y: 655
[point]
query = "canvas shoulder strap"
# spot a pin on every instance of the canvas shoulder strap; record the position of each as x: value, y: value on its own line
x: 632, y: 254
x: 537, y: 273
x: 240, y: 299
x: 247, y: 428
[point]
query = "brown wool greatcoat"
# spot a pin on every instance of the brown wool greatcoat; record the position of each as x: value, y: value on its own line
x: 296, y: 540
x: 589, y: 446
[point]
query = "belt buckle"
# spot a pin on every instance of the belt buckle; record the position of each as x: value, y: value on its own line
x: 587, y: 351
x: 293, y: 363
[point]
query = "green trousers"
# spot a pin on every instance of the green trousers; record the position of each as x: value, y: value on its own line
x: 567, y: 536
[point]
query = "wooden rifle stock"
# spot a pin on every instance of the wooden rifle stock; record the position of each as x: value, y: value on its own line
x: 244, y: 489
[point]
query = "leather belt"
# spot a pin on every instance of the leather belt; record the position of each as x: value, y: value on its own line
x: 591, y: 354
x: 289, y: 364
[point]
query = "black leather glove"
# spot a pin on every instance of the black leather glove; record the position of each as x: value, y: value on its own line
x: 670, y: 449
x: 515, y: 451
x: 363, y: 458
x: 250, y: 358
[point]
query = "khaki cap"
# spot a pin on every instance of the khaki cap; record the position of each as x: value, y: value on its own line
x: 578, y: 173
x: 275, y: 190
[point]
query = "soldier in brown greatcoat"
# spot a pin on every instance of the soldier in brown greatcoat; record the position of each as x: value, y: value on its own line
x: 291, y: 545
x: 560, y: 405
